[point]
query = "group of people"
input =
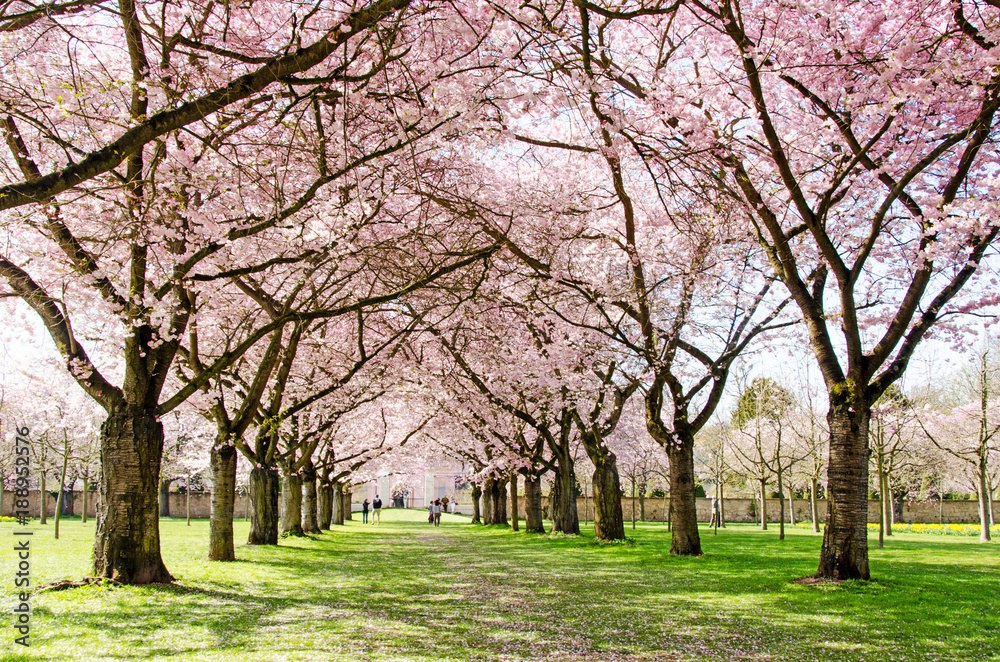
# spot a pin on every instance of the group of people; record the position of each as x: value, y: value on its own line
x: 438, y: 506
x: 434, y: 510
x: 376, y: 506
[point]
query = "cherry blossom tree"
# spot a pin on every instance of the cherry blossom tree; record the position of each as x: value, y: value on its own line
x: 859, y: 144
x: 970, y: 432
x: 192, y: 146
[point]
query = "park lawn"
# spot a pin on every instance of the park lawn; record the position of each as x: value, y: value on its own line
x: 408, y: 591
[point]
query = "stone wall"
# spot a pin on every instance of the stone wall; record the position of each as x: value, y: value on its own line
x: 737, y: 510
x: 201, y: 504
x: 745, y: 510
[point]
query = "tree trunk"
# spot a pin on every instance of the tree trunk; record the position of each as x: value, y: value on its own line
x: 220, y: 532
x: 263, y: 506
x: 685, y: 540
x: 488, y: 501
x: 477, y: 492
x: 325, y: 506
x: 562, y: 499
x: 533, y: 505
x: 844, y: 554
x: 43, y: 501
x: 86, y: 500
x: 791, y: 506
x: 514, y: 515
x: 499, y: 495
x: 338, y: 504
x: 86, y: 496
x: 814, y: 504
x: 310, y: 515
x: 62, y: 491
x: 984, y: 498
x: 291, y: 504
x: 781, y: 504
x: 883, y: 503
x: 763, y: 504
x: 127, y: 538
x: 609, y: 521
x: 165, y: 497
x: 886, y: 502
x: 642, y: 502
x: 348, y: 497
x: 633, y: 503
x: 898, y: 502
x: 722, y: 504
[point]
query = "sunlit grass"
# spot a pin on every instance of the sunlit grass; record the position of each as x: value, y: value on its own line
x: 408, y: 591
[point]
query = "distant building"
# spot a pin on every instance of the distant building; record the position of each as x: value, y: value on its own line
x: 413, y: 491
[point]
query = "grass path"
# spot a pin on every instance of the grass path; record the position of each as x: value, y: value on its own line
x: 408, y: 591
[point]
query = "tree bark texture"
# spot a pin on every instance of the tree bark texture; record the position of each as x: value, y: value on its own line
x: 310, y: 514
x: 325, y: 507
x: 562, y: 501
x: 127, y: 538
x: 220, y: 532
x: 814, y: 504
x: 514, y: 514
x: 477, y: 492
x: 609, y: 521
x: 263, y: 506
x: 844, y: 554
x: 338, y: 504
x: 498, y: 495
x: 291, y: 504
x: 685, y: 540
x: 984, y: 499
x: 165, y: 498
x: 488, y: 500
x: 348, y: 497
x: 763, y: 505
x: 533, y: 505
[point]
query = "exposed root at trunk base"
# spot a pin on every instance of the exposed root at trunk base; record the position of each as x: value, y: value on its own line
x: 819, y: 580
x: 297, y: 534
x: 64, y: 584
x: 816, y: 580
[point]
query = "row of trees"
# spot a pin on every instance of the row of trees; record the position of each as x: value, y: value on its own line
x: 523, y: 217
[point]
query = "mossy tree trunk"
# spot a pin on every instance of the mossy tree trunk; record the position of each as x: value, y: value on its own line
x: 562, y: 498
x: 533, y: 505
x: 325, y: 506
x: 844, y: 553
x: 685, y: 540
x: 263, y: 506
x: 291, y: 504
x: 127, y: 539
x: 220, y: 536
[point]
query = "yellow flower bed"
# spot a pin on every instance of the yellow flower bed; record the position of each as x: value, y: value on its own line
x: 939, y: 529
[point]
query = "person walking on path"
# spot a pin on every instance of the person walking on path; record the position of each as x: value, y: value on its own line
x: 430, y: 513
x: 451, y: 506
x: 364, y: 511
x: 437, y: 513
x: 377, y: 510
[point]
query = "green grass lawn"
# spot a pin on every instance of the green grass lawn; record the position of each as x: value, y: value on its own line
x: 408, y: 591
